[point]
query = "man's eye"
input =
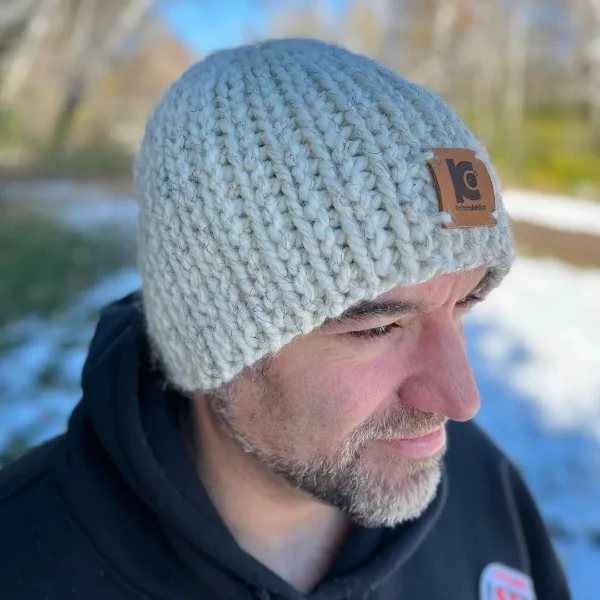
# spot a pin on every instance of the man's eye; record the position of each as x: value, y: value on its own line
x: 469, y: 301
x: 377, y: 332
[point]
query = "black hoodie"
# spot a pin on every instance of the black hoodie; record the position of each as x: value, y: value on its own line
x: 113, y: 510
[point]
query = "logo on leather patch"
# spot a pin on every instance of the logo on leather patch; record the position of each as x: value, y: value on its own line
x: 464, y: 187
x: 499, y: 582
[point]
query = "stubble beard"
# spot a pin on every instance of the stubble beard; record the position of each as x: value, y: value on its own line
x: 374, y: 486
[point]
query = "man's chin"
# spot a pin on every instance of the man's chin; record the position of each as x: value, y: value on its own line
x: 378, y: 488
x: 381, y: 495
x: 390, y: 496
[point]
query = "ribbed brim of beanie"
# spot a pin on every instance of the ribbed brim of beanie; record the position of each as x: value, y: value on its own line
x: 280, y: 183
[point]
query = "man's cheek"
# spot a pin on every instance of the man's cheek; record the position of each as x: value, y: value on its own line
x: 340, y: 402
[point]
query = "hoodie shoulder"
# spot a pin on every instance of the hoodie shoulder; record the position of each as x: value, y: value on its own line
x: 24, y: 473
x: 44, y: 553
x: 114, y: 320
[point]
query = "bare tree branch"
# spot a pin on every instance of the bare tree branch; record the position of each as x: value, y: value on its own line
x: 515, y: 89
x: 16, y: 12
x: 593, y: 87
x: 97, y: 59
x: 19, y: 65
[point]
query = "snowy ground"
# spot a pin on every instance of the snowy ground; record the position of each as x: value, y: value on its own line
x: 553, y: 211
x: 62, y: 199
x: 536, y: 357
x: 533, y: 346
x: 43, y: 368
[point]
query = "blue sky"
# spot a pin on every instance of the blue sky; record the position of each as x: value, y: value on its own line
x: 207, y: 25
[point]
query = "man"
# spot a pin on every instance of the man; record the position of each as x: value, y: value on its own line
x: 282, y: 411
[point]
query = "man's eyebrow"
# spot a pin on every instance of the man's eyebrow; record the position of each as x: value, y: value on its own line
x: 370, y: 309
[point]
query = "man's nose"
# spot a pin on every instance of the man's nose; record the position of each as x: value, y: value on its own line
x: 442, y: 381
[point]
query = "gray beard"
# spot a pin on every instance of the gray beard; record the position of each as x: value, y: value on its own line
x: 369, y: 496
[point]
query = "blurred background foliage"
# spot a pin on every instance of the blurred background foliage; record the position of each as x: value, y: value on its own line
x: 79, y: 77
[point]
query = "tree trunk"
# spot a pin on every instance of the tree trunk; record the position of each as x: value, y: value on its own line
x: 98, y: 59
x: 486, y: 70
x: 514, y: 99
x: 65, y: 118
x: 443, y: 25
x: 19, y: 65
x: 15, y: 13
x: 593, y: 84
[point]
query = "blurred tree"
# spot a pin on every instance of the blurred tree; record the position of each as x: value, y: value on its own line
x: 66, y: 63
x: 594, y: 81
x: 362, y: 28
x: 302, y: 20
x: 517, y: 51
x: 37, y: 21
x: 100, y: 31
x: 126, y: 94
x: 590, y: 24
x: 14, y: 12
x: 524, y: 73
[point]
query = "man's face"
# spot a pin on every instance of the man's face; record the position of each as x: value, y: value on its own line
x: 334, y: 412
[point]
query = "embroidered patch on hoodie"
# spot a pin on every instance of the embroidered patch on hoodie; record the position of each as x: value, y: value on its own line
x: 499, y: 582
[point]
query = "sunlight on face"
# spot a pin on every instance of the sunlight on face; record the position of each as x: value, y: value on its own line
x: 353, y: 413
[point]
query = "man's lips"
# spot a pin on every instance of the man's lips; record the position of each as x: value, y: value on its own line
x: 420, y: 446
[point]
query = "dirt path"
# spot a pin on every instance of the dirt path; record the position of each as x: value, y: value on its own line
x: 576, y: 248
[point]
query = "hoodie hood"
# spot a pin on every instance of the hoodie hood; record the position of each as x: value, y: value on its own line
x: 151, y: 515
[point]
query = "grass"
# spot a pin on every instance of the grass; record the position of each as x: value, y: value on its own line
x: 99, y: 158
x: 558, y: 155
x: 43, y: 265
x: 31, y: 153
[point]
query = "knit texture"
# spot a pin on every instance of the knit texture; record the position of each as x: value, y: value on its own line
x: 280, y: 183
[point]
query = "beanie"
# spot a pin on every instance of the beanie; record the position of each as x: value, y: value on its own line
x: 280, y: 183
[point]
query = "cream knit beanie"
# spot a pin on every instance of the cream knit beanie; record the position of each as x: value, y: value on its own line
x: 282, y: 182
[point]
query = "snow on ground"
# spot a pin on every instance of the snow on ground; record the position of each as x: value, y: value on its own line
x: 35, y: 410
x: 535, y: 351
x: 553, y: 211
x: 61, y: 199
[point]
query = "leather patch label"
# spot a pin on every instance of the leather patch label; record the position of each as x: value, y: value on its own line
x: 464, y: 187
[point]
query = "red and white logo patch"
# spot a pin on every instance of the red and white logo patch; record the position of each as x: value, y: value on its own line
x: 499, y: 582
